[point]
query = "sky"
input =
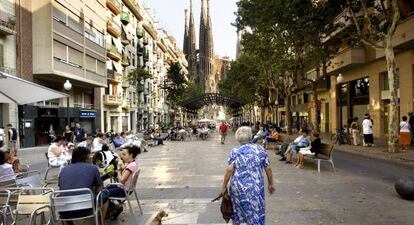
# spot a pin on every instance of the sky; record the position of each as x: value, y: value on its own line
x: 170, y: 14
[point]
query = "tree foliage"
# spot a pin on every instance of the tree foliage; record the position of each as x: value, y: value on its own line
x: 177, y: 87
x: 137, y: 75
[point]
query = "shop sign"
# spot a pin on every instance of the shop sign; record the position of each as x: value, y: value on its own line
x: 84, y: 114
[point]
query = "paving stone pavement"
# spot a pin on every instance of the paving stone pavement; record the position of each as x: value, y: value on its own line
x: 183, y: 177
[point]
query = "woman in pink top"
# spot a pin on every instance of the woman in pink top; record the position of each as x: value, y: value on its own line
x: 126, y: 168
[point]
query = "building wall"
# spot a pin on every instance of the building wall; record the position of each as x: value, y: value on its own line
x: 374, y: 70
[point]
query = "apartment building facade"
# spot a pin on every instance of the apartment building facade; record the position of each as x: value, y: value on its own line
x: 68, y: 45
x: 8, y: 112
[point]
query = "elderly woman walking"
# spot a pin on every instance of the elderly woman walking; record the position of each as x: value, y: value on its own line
x: 247, y: 187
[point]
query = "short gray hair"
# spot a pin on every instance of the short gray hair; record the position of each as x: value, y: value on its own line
x: 244, y: 135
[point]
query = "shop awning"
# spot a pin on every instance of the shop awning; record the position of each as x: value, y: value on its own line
x: 19, y: 91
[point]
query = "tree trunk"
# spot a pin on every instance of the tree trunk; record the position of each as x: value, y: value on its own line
x: 288, y: 114
x: 317, y: 125
x: 393, y: 126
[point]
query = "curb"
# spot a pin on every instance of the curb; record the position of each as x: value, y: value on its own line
x: 400, y: 161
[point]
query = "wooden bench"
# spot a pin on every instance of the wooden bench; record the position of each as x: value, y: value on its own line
x: 324, y: 155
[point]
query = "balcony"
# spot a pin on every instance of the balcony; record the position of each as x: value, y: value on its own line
x: 7, y: 24
x: 146, y: 56
x: 125, y: 83
x: 125, y: 18
x: 140, y: 88
x: 114, y: 6
x: 51, y: 103
x: 140, y: 51
x: 82, y: 105
x: 112, y: 100
x: 126, y: 104
x: 113, y: 52
x: 146, y: 39
x: 347, y: 58
x: 126, y: 39
x: 404, y: 35
x: 113, y: 76
x: 125, y: 61
x: 134, y: 7
x: 113, y: 28
x: 140, y: 32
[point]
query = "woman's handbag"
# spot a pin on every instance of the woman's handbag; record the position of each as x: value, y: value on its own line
x: 226, y: 206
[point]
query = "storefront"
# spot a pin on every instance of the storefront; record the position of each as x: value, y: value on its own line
x: 39, y: 124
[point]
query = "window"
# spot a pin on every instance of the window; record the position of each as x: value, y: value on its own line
x: 100, y: 68
x: 360, y: 87
x: 90, y: 64
x: 75, y: 57
x: 75, y: 22
x: 59, y: 12
x: 59, y: 50
x: 385, y: 80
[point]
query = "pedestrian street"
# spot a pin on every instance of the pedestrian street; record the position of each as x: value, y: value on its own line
x: 183, y: 178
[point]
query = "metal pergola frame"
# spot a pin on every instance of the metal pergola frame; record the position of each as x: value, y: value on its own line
x: 197, y: 102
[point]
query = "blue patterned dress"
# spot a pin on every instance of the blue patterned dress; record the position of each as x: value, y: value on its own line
x: 247, y: 184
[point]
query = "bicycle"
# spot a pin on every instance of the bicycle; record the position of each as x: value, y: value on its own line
x: 341, y: 137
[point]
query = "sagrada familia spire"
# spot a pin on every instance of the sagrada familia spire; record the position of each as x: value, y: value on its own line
x: 190, y: 44
x: 201, y: 67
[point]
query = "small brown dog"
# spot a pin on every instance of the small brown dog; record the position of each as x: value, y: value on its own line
x: 156, y: 218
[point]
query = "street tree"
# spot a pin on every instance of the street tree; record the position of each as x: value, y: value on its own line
x: 375, y: 24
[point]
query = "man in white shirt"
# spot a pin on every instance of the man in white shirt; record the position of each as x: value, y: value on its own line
x: 367, y: 131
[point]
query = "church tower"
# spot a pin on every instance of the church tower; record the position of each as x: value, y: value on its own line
x: 206, y: 52
x: 189, y: 46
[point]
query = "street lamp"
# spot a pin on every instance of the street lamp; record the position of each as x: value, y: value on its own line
x: 67, y: 86
x: 340, y: 80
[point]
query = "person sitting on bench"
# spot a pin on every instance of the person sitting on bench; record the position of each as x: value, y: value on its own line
x: 273, y: 137
x: 314, y: 150
x: 300, y: 142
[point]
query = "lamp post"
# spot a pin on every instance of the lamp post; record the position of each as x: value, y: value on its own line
x: 276, y: 115
x: 67, y: 86
x: 340, y: 80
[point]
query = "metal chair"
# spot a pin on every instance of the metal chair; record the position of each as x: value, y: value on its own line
x: 46, y: 178
x: 73, y: 200
x: 31, y: 178
x: 128, y: 194
x: 6, y: 213
x: 33, y: 200
x: 40, y: 212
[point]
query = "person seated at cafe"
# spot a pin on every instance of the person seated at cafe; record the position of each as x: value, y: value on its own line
x: 98, y: 142
x: 87, y: 143
x: 6, y: 169
x: 125, y: 171
x: 300, y: 142
x: 157, y: 137
x: 80, y: 174
x: 12, y: 160
x: 314, y: 150
x: 273, y: 137
x: 54, y: 153
x: 119, y: 140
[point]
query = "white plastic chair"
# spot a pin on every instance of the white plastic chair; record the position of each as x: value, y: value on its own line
x: 73, y: 200
x: 128, y: 194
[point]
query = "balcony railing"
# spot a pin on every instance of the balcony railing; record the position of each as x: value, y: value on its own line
x: 146, y: 39
x: 114, y: 76
x: 114, y: 6
x: 7, y: 23
x: 125, y: 18
x: 113, y: 28
x: 125, y: 61
x: 112, y: 100
x: 113, y: 52
x: 126, y: 39
x: 51, y: 103
x: 134, y: 7
x: 83, y: 105
x: 347, y: 57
